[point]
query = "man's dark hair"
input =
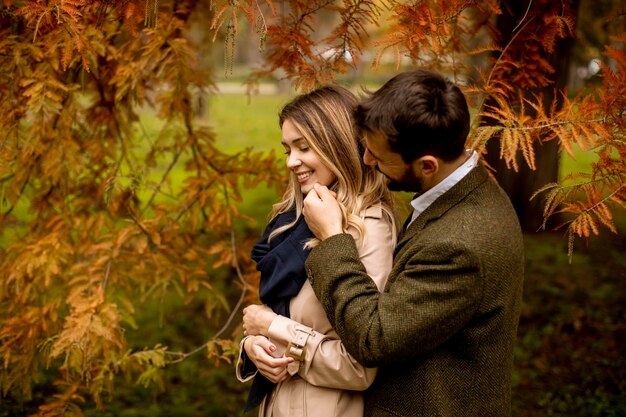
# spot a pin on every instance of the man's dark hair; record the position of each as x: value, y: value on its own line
x: 420, y: 112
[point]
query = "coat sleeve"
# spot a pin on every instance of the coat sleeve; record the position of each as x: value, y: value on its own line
x: 245, y: 369
x: 326, y: 361
x: 428, y: 300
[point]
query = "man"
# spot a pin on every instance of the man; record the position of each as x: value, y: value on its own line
x: 442, y: 333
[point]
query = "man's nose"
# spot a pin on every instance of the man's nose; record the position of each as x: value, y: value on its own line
x: 368, y: 159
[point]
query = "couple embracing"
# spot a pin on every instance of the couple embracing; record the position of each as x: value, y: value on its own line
x: 360, y: 318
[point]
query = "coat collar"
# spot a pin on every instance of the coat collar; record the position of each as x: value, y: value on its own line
x: 441, y: 205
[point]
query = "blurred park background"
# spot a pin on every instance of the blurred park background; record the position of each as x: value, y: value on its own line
x: 569, y: 360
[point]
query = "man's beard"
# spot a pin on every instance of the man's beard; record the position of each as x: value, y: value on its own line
x: 408, y: 183
x: 399, y: 186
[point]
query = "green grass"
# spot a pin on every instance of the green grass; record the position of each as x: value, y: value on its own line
x: 240, y: 122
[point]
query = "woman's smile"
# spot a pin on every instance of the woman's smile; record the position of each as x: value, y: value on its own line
x: 303, y: 176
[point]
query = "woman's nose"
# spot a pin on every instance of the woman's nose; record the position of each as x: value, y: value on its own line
x: 293, y: 160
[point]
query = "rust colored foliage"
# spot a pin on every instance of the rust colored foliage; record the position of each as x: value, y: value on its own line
x: 98, y: 230
x: 89, y: 227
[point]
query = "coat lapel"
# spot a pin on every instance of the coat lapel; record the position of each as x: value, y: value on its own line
x: 451, y: 198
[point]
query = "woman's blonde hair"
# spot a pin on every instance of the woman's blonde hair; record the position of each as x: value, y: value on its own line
x: 325, y: 119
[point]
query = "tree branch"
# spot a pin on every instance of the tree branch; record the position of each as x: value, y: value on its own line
x: 181, y: 356
x: 565, y: 122
x: 495, y: 65
x: 163, y: 178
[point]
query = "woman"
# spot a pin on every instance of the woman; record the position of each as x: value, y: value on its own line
x: 298, y: 362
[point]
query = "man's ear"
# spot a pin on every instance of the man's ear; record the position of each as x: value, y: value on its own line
x: 428, y: 165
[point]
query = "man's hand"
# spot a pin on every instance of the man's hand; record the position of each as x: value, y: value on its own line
x: 322, y: 212
x: 257, y: 319
x: 259, y: 350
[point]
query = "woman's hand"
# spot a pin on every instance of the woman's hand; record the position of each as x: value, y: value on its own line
x: 257, y: 319
x: 259, y: 349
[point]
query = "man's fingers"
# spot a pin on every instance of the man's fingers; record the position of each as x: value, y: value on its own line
x: 313, y: 194
x: 322, y: 191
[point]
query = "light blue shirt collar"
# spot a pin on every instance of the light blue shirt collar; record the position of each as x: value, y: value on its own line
x: 421, y: 202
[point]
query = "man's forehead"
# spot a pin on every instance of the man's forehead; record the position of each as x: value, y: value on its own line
x: 376, y: 140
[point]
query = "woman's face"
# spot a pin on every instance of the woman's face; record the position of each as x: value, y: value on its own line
x: 303, y: 161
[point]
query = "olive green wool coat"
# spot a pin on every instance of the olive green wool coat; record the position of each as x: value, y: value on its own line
x: 442, y: 333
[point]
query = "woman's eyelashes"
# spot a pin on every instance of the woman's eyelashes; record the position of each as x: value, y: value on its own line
x: 303, y: 149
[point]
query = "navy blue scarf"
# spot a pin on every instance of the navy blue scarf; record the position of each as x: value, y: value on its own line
x: 281, y: 263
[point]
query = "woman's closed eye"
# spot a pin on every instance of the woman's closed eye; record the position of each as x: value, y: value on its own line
x: 303, y: 149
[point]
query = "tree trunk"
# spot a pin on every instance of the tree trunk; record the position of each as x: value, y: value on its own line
x: 521, y: 185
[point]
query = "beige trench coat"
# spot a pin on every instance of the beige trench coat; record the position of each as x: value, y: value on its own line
x: 327, y: 381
